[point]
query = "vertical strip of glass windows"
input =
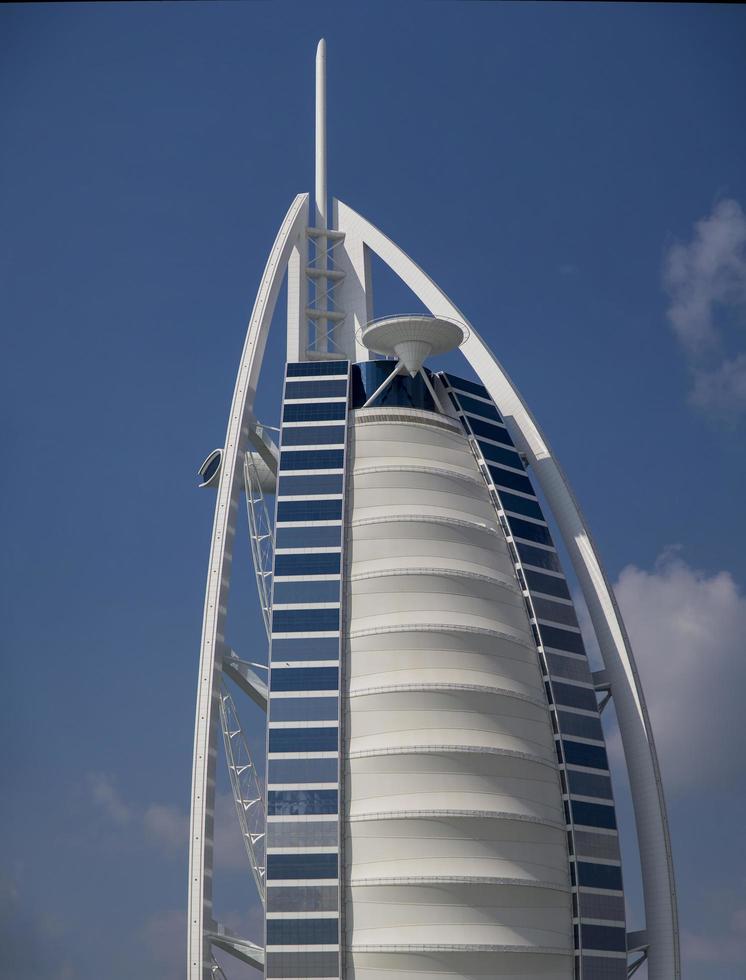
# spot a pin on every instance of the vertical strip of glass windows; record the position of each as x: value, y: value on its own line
x: 302, y: 928
x: 595, y: 864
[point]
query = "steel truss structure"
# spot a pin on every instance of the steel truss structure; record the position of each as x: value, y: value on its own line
x: 327, y: 267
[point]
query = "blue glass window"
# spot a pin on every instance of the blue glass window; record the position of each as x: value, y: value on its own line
x: 304, y: 679
x: 575, y: 697
x: 537, y: 582
x: 588, y: 784
x: 497, y: 454
x: 302, y: 898
x: 568, y: 667
x: 312, y: 459
x: 594, y: 906
x: 304, y: 833
x: 304, y: 709
x: 605, y: 968
x: 301, y: 369
x: 305, y: 647
x: 313, y: 435
x: 533, y: 532
x: 314, y: 411
x: 308, y: 537
x: 539, y: 557
x: 520, y: 505
x: 316, y: 389
x: 599, y: 876
x: 309, y: 510
x: 402, y: 392
x: 604, y: 937
x: 302, y: 932
x: 461, y: 384
x: 305, y: 620
x: 489, y: 431
x: 305, y: 964
x: 305, y: 592
x: 285, y: 866
x: 554, y: 636
x: 323, y: 563
x: 580, y: 754
x: 555, y: 611
x: 303, y: 740
x: 304, y: 486
x: 513, y: 481
x: 473, y: 407
x: 297, y: 802
x: 303, y: 771
x: 593, y: 815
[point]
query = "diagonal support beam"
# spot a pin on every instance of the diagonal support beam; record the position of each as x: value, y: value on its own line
x: 244, y: 677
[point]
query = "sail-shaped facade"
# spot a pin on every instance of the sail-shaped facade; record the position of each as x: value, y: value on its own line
x: 438, y: 799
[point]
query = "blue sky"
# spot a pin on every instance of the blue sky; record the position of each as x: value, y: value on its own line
x: 573, y: 176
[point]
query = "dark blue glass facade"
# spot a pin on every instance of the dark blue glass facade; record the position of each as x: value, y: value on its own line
x: 595, y: 866
x: 303, y: 768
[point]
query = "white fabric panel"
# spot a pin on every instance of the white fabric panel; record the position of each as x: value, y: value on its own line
x: 455, y: 853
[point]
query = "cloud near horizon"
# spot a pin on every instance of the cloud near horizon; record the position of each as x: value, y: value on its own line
x: 706, y: 283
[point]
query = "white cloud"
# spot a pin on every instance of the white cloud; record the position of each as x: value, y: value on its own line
x: 166, y: 826
x: 165, y: 937
x: 687, y: 630
x: 106, y: 796
x: 726, y: 948
x: 706, y: 282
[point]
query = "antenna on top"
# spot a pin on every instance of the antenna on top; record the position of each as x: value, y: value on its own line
x: 321, y: 134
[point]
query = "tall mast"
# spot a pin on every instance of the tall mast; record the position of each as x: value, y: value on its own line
x: 321, y: 134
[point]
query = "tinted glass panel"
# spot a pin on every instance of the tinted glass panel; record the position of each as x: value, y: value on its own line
x: 513, y: 481
x: 302, y: 865
x: 304, y: 679
x: 489, y: 431
x: 547, y: 583
x: 325, y: 563
x: 600, y: 876
x: 307, y: 485
x: 473, y: 407
x: 604, y: 937
x: 497, y: 454
x: 304, y: 709
x: 605, y: 968
x: 572, y: 670
x: 588, y: 784
x: 533, y: 532
x: 553, y: 636
x: 313, y: 435
x: 593, y: 815
x: 575, y: 697
x: 303, y: 740
x: 304, y: 964
x: 402, y: 392
x: 302, y: 932
x: 305, y: 620
x: 303, y: 833
x: 539, y: 557
x: 520, y: 505
x: 580, y: 754
x: 305, y: 648
x: 314, y: 411
x: 316, y: 389
x: 601, y: 906
x: 463, y: 385
x: 303, y: 771
x: 297, y: 802
x: 556, y: 611
x: 306, y: 592
x: 309, y: 510
x: 312, y: 459
x: 311, y: 368
x: 308, y: 537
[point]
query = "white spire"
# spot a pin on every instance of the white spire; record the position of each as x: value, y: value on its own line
x: 321, y: 134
